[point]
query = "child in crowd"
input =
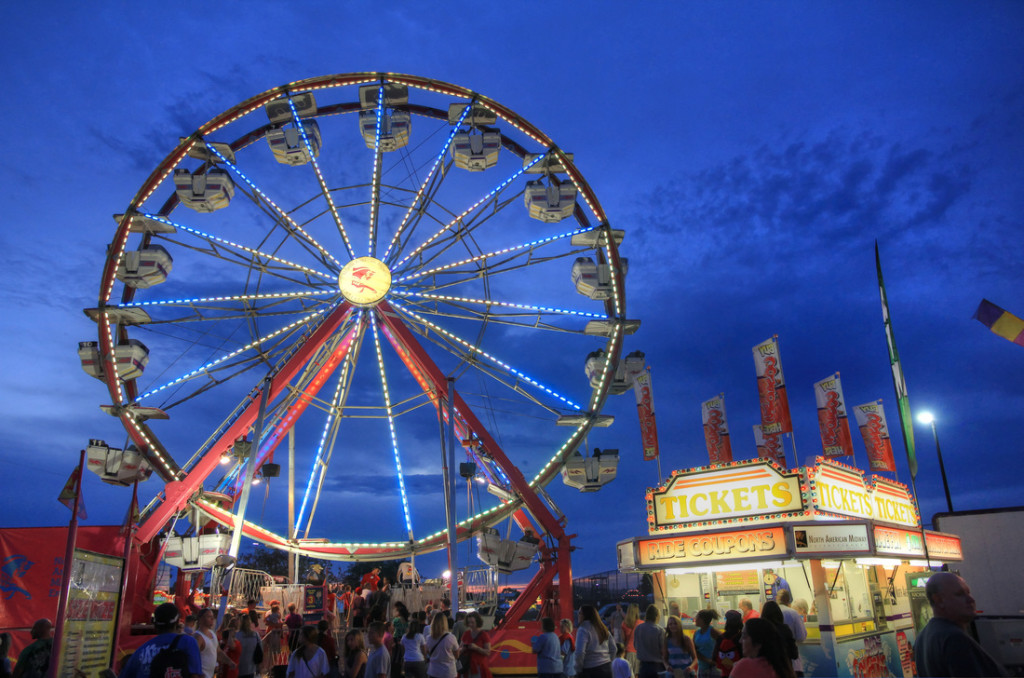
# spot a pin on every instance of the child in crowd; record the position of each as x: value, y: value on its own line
x: 621, y: 667
x: 378, y: 664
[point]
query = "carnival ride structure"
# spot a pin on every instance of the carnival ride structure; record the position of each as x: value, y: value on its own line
x: 413, y: 223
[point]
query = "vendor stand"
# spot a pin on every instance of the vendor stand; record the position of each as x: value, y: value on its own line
x: 851, y: 548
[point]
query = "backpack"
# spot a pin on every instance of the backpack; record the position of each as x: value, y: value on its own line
x: 170, y: 662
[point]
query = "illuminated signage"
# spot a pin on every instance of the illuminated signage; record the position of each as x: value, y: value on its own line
x: 364, y: 281
x: 690, y: 499
x: 896, y: 542
x: 840, y: 489
x: 943, y: 546
x: 693, y: 549
x: 831, y: 538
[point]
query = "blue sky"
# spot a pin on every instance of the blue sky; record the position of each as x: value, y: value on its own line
x: 752, y: 153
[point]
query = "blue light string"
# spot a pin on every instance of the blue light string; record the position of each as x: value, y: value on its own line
x: 508, y: 368
x: 244, y: 248
x: 437, y: 161
x: 319, y: 174
x: 391, y: 427
x: 284, y: 215
x: 472, y: 207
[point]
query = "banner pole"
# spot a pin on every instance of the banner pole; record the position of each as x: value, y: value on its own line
x: 65, y: 578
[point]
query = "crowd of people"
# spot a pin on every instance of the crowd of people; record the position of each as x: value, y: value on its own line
x: 390, y: 641
x: 762, y: 646
x: 364, y: 635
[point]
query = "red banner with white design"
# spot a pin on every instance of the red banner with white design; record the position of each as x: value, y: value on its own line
x: 716, y: 430
x: 832, y: 420
x: 871, y: 422
x: 769, y: 446
x: 644, y: 390
x: 771, y: 388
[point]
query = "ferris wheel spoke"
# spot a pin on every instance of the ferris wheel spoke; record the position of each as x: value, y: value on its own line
x: 476, y: 352
x: 283, y: 217
x: 204, y: 369
x: 376, y: 177
x: 291, y: 265
x: 243, y: 308
x: 489, y: 303
x: 320, y: 178
x: 438, y: 162
x: 469, y: 210
x: 523, y: 248
x: 391, y: 427
x: 463, y: 235
x: 329, y: 433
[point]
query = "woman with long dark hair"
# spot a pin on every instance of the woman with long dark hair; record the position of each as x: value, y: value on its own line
x: 764, y: 654
x: 595, y: 647
x: 773, y: 613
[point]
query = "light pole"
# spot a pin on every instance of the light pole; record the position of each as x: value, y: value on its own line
x: 929, y: 418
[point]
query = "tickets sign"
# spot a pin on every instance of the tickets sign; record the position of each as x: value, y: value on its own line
x: 752, y: 489
x: 840, y: 489
x: 691, y: 549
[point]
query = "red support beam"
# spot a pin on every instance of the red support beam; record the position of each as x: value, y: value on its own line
x: 177, y: 494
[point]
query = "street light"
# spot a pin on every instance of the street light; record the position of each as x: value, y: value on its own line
x: 929, y: 418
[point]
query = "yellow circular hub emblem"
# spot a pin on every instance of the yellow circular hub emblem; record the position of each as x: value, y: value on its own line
x: 364, y: 281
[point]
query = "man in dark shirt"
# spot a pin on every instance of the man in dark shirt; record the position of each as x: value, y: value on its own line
x: 944, y: 648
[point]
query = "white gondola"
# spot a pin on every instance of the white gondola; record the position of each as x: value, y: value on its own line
x: 590, y: 474
x: 394, y: 95
x: 476, y: 151
x: 204, y: 192
x: 288, y: 146
x: 130, y: 358
x: 506, y: 555
x: 279, y: 111
x: 89, y: 356
x: 394, y: 129
x: 117, y: 467
x: 196, y: 553
x: 552, y: 202
x: 621, y: 377
x: 594, y: 280
x: 144, y: 268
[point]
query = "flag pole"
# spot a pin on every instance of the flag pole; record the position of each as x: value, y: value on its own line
x: 65, y: 578
x: 902, y: 402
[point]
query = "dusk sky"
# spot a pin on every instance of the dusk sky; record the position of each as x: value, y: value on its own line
x: 753, y: 153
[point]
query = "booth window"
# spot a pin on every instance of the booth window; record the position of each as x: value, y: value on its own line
x: 849, y: 597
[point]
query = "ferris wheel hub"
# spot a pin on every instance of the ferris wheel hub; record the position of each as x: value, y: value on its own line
x: 364, y: 281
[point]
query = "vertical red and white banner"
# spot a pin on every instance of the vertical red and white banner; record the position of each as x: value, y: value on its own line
x: 771, y: 388
x: 645, y: 409
x: 832, y: 420
x: 769, y: 446
x: 716, y: 430
x: 871, y: 422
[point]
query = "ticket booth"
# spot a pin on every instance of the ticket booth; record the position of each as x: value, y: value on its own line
x: 849, y: 549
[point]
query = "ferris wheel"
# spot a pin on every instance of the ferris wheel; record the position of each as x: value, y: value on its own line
x: 336, y: 270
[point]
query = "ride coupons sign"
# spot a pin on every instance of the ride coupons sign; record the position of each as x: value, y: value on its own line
x: 686, y: 550
x: 840, y: 489
x: 691, y: 499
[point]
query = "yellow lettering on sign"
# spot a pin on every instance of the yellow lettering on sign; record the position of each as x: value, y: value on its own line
x: 739, y: 498
x: 782, y: 494
x: 693, y: 505
x: 667, y: 504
